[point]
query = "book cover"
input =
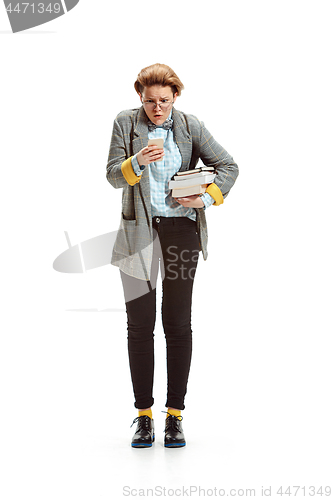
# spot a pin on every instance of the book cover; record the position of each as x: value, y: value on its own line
x: 189, y: 191
x: 188, y: 181
x: 195, y: 171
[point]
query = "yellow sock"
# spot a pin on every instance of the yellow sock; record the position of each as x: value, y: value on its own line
x: 176, y: 413
x: 146, y: 412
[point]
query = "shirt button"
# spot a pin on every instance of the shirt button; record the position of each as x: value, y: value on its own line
x: 158, y: 219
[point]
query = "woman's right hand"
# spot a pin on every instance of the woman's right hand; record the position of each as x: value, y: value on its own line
x: 149, y: 154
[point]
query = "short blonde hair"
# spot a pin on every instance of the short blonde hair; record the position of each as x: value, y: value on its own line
x: 158, y: 74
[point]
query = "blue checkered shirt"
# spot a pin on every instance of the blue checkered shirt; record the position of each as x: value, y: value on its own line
x: 160, y: 172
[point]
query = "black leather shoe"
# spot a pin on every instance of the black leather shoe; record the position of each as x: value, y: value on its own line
x: 174, y: 436
x: 144, y: 435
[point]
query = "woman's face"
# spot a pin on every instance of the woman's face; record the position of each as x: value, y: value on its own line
x: 156, y: 94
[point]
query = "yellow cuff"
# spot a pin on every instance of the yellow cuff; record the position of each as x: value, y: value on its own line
x: 215, y: 193
x: 128, y: 172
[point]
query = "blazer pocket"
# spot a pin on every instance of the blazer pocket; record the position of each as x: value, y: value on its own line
x: 128, y: 217
x: 127, y: 237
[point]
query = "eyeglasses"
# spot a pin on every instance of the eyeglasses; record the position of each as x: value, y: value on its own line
x: 165, y: 104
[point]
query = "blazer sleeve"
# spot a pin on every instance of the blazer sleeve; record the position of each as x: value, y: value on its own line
x: 213, y: 154
x: 119, y: 170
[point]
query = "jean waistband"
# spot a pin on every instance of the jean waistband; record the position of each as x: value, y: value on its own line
x: 172, y: 221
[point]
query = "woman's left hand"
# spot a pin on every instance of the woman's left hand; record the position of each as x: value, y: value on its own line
x: 191, y: 201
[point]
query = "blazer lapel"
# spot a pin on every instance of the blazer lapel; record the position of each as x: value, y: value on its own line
x: 182, y: 138
x: 140, y: 140
x: 140, y: 133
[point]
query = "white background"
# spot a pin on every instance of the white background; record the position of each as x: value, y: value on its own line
x: 259, y: 403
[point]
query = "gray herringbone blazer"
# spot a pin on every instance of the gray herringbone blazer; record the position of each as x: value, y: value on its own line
x: 132, y: 251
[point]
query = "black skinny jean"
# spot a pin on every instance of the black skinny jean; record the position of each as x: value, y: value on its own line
x: 177, y: 248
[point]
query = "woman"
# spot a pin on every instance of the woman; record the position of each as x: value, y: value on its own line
x: 155, y: 227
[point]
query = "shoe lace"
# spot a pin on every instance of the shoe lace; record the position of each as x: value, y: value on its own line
x: 143, y: 422
x: 172, y: 422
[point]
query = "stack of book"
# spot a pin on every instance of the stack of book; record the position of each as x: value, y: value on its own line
x: 191, y: 182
